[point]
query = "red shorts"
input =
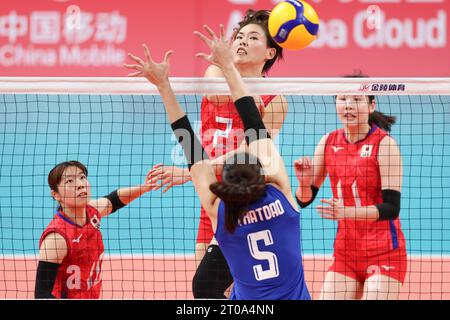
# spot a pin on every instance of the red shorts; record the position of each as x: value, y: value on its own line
x: 392, y: 264
x: 205, y: 232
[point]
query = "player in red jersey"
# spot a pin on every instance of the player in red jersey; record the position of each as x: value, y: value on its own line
x: 365, y: 169
x: 222, y: 132
x: 71, y: 247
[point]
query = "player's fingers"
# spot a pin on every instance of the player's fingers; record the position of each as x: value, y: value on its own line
x: 222, y: 32
x: 328, y: 201
x: 135, y: 58
x: 158, y: 165
x: 328, y: 216
x: 204, y: 38
x: 308, y: 162
x: 150, y: 183
x: 167, y: 175
x: 152, y: 175
x: 324, y: 209
x: 305, y: 163
x: 155, y: 180
x: 147, y: 53
x: 167, y: 188
x: 210, y: 31
x: 168, y: 55
x: 135, y: 74
x: 155, y: 171
x: 155, y: 177
x: 133, y: 66
x: 159, y: 185
x: 204, y: 56
x: 298, y: 163
x: 166, y: 181
x: 155, y: 185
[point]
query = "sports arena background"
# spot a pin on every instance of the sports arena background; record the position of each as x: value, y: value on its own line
x: 36, y: 40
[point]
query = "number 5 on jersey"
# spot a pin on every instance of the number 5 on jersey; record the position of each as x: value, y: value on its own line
x: 270, y: 257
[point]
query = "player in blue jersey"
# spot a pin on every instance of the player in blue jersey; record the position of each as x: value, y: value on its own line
x: 252, y: 210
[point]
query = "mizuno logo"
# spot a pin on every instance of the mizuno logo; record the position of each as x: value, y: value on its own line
x: 336, y: 149
x: 78, y: 239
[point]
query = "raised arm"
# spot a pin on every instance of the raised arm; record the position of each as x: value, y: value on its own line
x: 202, y: 172
x: 259, y: 140
x: 310, y: 174
x: 274, y: 115
x: 120, y: 198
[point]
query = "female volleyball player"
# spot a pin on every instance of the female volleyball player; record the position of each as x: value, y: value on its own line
x: 365, y: 169
x: 71, y: 247
x: 254, y: 54
x: 252, y: 209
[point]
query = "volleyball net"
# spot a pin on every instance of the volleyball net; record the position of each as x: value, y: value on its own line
x: 118, y: 128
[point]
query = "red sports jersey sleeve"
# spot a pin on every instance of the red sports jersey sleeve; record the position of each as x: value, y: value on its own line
x: 355, y: 178
x: 79, y: 276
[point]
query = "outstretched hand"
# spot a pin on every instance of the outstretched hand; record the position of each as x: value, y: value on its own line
x: 156, y: 73
x: 304, y: 171
x: 333, y: 210
x: 221, y: 54
x: 167, y: 176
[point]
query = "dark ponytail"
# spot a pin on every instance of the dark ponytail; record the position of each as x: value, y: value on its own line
x: 242, y: 183
x: 381, y: 120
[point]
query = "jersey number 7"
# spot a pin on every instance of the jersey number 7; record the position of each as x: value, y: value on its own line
x: 222, y: 133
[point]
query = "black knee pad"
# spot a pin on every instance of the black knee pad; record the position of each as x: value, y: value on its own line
x: 213, y: 275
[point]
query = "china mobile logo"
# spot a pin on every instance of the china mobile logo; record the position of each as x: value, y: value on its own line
x: 71, y: 38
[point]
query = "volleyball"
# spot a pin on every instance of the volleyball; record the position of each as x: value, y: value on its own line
x: 293, y: 24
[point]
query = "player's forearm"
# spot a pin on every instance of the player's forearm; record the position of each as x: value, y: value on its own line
x: 237, y: 86
x: 218, y: 162
x: 304, y: 193
x: 46, y: 275
x: 127, y: 195
x: 369, y: 213
x: 173, y: 108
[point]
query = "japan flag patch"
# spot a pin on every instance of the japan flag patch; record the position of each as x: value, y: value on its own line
x: 95, y: 222
x: 366, y: 151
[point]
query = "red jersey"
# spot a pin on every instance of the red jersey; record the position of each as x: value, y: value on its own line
x: 222, y: 129
x: 79, y: 276
x: 355, y: 178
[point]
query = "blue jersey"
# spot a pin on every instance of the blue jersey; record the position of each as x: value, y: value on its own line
x: 264, y: 251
